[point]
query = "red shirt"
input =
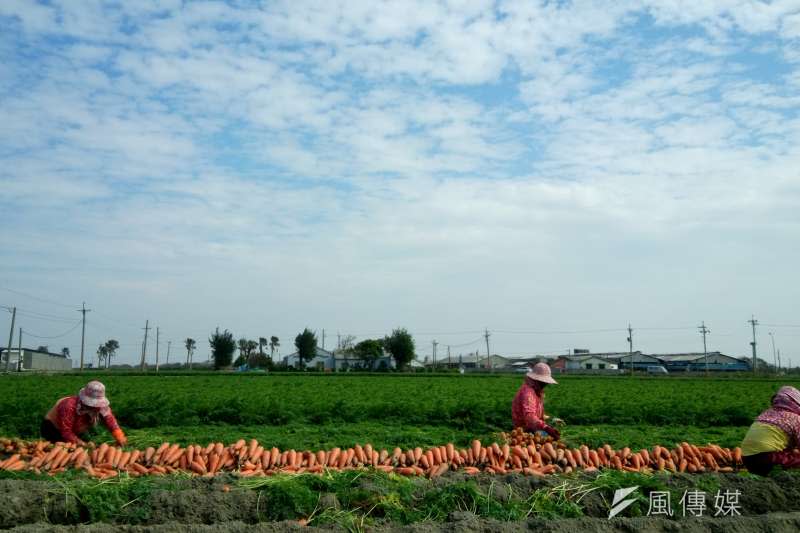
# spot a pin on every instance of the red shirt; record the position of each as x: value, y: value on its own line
x: 72, y: 423
x: 527, y: 409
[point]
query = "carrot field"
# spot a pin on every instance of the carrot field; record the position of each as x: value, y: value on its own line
x: 306, y: 411
x: 177, y: 412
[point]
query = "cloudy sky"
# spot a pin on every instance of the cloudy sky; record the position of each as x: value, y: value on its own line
x: 550, y: 171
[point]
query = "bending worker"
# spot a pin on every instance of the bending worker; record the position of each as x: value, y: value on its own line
x: 527, y: 410
x: 75, y: 415
x: 774, y: 434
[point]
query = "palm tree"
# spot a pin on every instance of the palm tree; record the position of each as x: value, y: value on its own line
x: 251, y: 349
x: 190, y: 345
x: 242, y: 345
x: 273, y: 344
x: 262, y: 341
x: 102, y: 352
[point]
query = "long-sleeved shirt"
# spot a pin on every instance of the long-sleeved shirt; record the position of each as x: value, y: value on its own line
x: 527, y: 409
x: 71, y: 423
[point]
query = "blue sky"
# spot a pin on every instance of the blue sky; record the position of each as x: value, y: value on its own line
x: 443, y: 166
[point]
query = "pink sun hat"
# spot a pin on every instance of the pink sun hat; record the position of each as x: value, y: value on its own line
x: 94, y: 395
x: 541, y: 372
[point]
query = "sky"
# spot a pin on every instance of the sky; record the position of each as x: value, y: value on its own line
x: 547, y: 171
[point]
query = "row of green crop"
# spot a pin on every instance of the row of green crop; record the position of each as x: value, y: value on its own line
x: 462, y: 402
x: 347, y: 500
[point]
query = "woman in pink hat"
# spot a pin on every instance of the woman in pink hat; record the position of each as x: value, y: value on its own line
x: 527, y: 409
x: 75, y: 415
x: 774, y: 435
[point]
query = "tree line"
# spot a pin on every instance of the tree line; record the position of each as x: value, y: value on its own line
x: 399, y: 345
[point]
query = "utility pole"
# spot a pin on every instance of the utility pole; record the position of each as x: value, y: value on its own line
x: 169, y: 345
x: 83, y: 312
x: 779, y: 359
x: 704, y: 330
x: 448, y: 357
x: 753, y: 322
x: 630, y: 345
x: 434, y: 355
x: 774, y: 355
x: 144, y: 344
x: 338, y: 341
x: 11, y: 337
x: 19, y: 352
x: 157, y: 336
x: 323, y: 339
x: 488, y: 354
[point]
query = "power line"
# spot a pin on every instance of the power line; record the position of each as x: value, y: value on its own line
x: 561, y: 332
x: 32, y: 297
x: 70, y: 330
x: 42, y: 316
x: 479, y: 339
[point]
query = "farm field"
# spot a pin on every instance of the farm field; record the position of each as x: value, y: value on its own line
x: 324, y: 411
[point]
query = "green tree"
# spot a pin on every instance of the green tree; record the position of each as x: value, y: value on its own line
x: 400, y: 345
x: 370, y: 350
x: 222, y: 347
x: 111, y: 350
x: 274, y: 343
x: 306, y: 344
x: 250, y: 353
x: 262, y: 341
x: 44, y: 348
x: 65, y: 351
x: 190, y: 344
x: 102, y: 353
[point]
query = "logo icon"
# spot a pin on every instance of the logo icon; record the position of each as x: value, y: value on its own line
x: 619, y: 504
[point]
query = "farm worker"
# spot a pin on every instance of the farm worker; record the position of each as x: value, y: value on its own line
x: 74, y: 415
x: 774, y: 434
x: 527, y: 409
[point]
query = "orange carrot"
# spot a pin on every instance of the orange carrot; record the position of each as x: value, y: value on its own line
x: 437, y: 456
x: 439, y: 470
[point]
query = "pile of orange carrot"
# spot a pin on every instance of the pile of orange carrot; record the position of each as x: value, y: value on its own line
x: 253, y: 459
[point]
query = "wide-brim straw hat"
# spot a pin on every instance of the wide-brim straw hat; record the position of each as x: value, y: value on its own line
x: 541, y: 372
x: 94, y: 395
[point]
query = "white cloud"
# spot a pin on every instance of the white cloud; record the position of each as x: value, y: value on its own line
x: 435, y: 164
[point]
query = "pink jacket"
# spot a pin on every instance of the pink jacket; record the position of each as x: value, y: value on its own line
x: 71, y: 422
x: 527, y: 409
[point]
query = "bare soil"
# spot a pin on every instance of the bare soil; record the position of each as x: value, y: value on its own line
x: 203, y: 505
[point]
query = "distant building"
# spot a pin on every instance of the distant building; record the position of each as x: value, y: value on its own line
x: 35, y: 360
x: 321, y: 357
x: 325, y: 360
x: 622, y: 361
x: 696, y: 362
x: 471, y: 361
x: 589, y: 362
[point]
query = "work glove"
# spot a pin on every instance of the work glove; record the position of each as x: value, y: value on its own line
x: 553, y: 432
x: 119, y: 436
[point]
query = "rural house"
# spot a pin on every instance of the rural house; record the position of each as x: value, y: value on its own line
x: 589, y: 362
x: 35, y: 360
